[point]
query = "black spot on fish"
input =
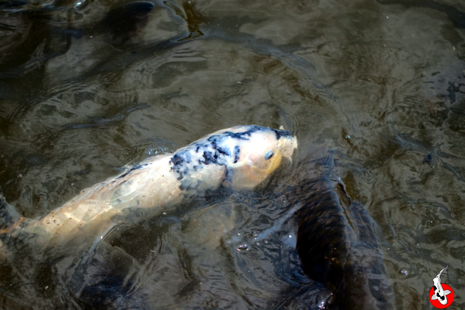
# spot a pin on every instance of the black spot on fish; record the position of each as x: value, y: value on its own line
x: 242, y: 135
x: 237, y: 151
x: 221, y: 150
x: 177, y: 160
x: 210, y: 158
x: 215, y: 146
x: 281, y: 133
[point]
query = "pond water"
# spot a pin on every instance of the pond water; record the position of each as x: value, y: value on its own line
x: 89, y: 87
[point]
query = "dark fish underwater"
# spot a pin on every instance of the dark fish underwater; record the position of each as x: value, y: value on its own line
x: 338, y: 243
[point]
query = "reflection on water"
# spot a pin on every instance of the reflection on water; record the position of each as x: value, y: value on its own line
x: 88, y: 87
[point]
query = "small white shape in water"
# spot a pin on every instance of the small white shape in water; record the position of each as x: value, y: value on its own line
x: 243, y: 247
x: 79, y: 5
x: 290, y: 236
x: 404, y: 272
x: 101, y: 237
x: 387, y: 17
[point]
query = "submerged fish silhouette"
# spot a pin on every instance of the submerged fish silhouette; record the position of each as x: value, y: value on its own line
x: 439, y: 293
x: 338, y: 244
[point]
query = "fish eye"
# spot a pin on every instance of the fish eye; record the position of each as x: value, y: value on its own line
x: 269, y: 154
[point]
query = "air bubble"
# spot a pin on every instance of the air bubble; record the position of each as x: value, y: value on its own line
x: 243, y: 247
x: 404, y: 272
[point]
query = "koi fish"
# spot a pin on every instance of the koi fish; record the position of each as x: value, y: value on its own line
x: 240, y: 157
x: 338, y: 242
x: 439, y: 293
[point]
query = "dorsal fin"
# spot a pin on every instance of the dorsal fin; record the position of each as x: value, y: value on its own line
x: 8, y: 214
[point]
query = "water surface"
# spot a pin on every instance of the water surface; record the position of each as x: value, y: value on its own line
x: 87, y: 88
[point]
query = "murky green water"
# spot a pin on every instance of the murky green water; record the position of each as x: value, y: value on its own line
x: 84, y: 92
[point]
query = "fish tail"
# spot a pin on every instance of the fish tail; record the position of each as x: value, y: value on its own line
x: 8, y: 214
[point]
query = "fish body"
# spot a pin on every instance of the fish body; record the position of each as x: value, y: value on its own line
x: 240, y: 157
x: 337, y: 243
x: 439, y: 292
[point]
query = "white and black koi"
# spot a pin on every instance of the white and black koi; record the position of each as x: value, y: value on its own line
x: 240, y: 157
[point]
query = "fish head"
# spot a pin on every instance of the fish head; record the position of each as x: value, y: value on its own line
x: 257, y: 153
